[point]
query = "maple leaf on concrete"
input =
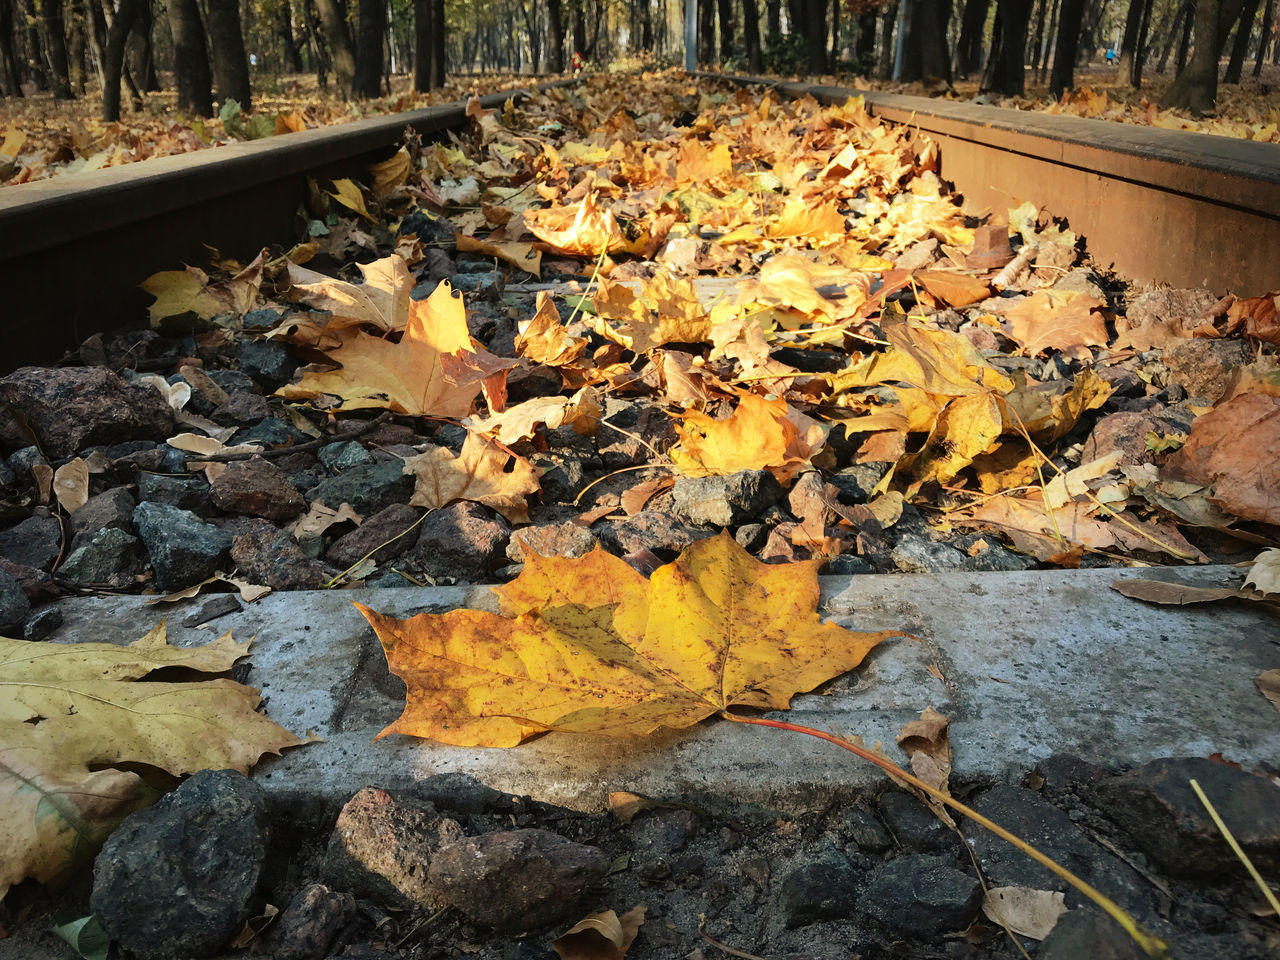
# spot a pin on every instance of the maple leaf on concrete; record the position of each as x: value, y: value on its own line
x: 483, y: 472
x: 71, y: 714
x: 591, y: 646
x: 407, y: 377
x: 1066, y: 321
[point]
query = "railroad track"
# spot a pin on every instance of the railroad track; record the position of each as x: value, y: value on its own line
x: 1162, y: 206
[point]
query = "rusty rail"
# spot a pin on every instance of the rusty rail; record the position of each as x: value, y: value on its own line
x: 1160, y: 206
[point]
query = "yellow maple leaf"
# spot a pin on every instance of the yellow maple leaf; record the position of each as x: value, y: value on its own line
x: 381, y: 302
x: 1062, y: 320
x: 483, y: 472
x: 590, y: 646
x: 348, y: 194
x: 543, y: 338
x: 760, y: 434
x: 409, y: 376
x: 580, y: 230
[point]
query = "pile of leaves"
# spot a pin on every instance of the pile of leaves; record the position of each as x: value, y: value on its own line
x: 41, y: 138
x: 865, y: 320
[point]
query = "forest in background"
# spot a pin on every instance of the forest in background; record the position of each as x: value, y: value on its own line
x: 214, y: 51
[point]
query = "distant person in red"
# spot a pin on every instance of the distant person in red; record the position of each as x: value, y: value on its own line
x: 577, y: 62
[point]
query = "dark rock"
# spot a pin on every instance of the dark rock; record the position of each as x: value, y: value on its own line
x: 857, y: 482
x: 1087, y: 934
x: 184, y: 491
x: 337, y: 457
x: 986, y: 554
x: 109, y: 558
x: 35, y: 542
x: 182, y: 548
x: 921, y: 896
x: 242, y: 406
x: 1159, y: 307
x: 726, y: 501
x: 826, y: 889
x: 431, y: 230
x: 751, y: 536
x: 651, y: 530
x: 14, y: 605
x: 1052, y: 832
x: 460, y: 792
x: 919, y: 554
x: 368, y: 488
x: 41, y: 624
x: 846, y: 565
x: 463, y: 541
x: 257, y: 488
x: 269, y: 363
x: 35, y: 583
x: 563, y: 477
x: 1127, y: 432
x: 913, y: 824
x: 180, y: 878
x: 860, y: 828
x: 270, y: 556
x: 1156, y: 805
x: 661, y: 833
x: 231, y: 381
x: 515, y: 880
x: 110, y: 510
x: 385, y: 536
x: 70, y: 408
x: 1204, y: 367
x: 382, y: 844
x: 272, y: 432
x: 308, y: 926
x: 564, y: 539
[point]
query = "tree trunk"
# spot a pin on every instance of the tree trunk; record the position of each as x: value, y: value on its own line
x: 834, y: 57
x: 773, y: 19
x: 55, y: 38
x: 422, y: 45
x: 864, y: 48
x: 816, y: 35
x: 77, y: 31
x: 10, y: 81
x: 1184, y: 42
x: 925, y: 54
x: 333, y: 21
x: 580, y: 27
x: 1140, y: 58
x: 438, y: 37
x: 888, y: 17
x: 1265, y: 35
x: 969, y: 47
x: 190, y: 59
x: 1196, y: 87
x: 1129, y: 45
x: 1043, y: 55
x: 371, y: 25
x: 751, y: 36
x: 724, y: 10
x: 706, y: 32
x: 1238, y: 49
x: 1068, y: 42
x: 319, y: 52
x: 555, y: 55
x: 143, y: 49
x: 1006, y: 69
x: 126, y: 14
x: 284, y: 30
x: 230, y: 65
x: 35, y: 48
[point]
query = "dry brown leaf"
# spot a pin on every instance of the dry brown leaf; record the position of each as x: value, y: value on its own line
x: 954, y: 289
x: 635, y: 498
x: 1065, y: 321
x: 601, y: 936
x: 927, y: 742
x: 381, y: 302
x: 71, y: 484
x: 1235, y: 448
x: 1269, y: 686
x: 543, y: 338
x: 479, y: 473
x: 1027, y: 912
x: 1180, y: 594
x: 1264, y: 575
x: 760, y: 434
x: 520, y: 255
x: 582, y: 412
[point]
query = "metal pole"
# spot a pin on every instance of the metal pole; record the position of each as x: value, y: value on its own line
x: 691, y: 35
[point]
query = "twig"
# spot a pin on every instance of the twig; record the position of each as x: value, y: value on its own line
x: 1015, y: 266
x: 702, y: 929
x: 315, y: 444
x: 337, y: 578
x: 1237, y: 850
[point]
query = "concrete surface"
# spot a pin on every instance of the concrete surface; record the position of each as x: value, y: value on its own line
x: 1032, y: 663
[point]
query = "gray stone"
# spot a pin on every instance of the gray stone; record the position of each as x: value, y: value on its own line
x: 921, y: 896
x: 1157, y: 805
x: 256, y: 488
x: 460, y: 792
x: 826, y: 889
x: 856, y: 482
x: 109, y: 558
x: 651, y: 530
x: 919, y: 554
x: 726, y: 501
x: 180, y: 878
x: 1087, y: 934
x: 463, y: 541
x: 271, y: 431
x: 35, y: 542
x: 269, y: 363
x: 368, y: 488
x: 913, y: 824
x: 845, y: 565
x: 991, y: 555
x: 1081, y: 280
x: 515, y: 880
x: 564, y: 539
x: 265, y: 554
x: 386, y: 535
x: 21, y: 461
x: 382, y: 844
x: 111, y: 509
x: 231, y: 380
x: 1204, y: 367
x: 42, y: 624
x: 184, y: 491
x: 860, y: 828
x: 337, y: 457
x: 751, y: 536
x: 14, y: 605
x: 181, y: 547
x: 314, y: 918
x: 69, y: 408
x: 242, y: 406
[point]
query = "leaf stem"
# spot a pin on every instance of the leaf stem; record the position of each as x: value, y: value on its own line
x: 1151, y: 944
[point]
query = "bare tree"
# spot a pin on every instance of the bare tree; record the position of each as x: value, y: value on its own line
x: 1267, y: 16
x: 230, y: 63
x: 1068, y: 42
x: 555, y: 53
x: 371, y: 18
x: 973, y: 23
x: 333, y: 21
x: 1196, y: 87
x: 1006, y: 68
x: 438, y: 45
x: 751, y: 36
x: 190, y: 59
x: 127, y: 13
x: 10, y: 81
x: 1238, y: 49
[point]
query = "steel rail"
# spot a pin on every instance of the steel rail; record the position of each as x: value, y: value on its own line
x: 73, y: 248
x: 1160, y: 206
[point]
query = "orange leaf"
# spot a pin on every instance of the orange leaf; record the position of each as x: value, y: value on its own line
x: 582, y: 230
x: 1057, y: 320
x: 519, y: 255
x: 590, y: 646
x: 759, y: 435
x: 479, y: 473
x: 954, y: 289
